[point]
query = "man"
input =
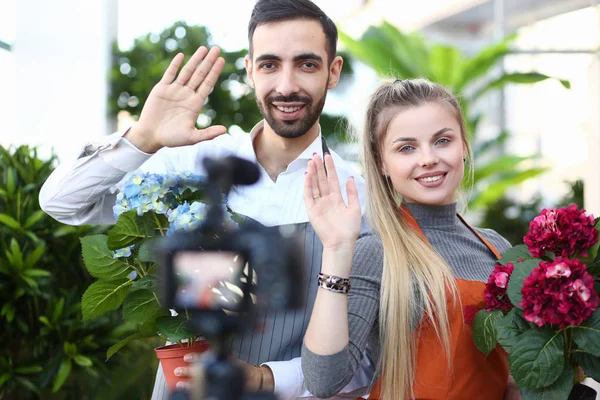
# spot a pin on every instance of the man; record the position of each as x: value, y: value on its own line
x: 291, y: 66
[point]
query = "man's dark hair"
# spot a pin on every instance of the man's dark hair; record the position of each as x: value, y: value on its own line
x: 266, y: 11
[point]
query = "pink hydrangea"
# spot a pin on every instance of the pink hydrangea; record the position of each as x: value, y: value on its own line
x: 560, y: 292
x: 495, y: 289
x: 562, y: 231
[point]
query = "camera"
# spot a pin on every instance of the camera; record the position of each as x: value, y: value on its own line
x: 220, y: 274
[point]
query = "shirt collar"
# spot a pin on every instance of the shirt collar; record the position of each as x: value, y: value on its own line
x: 247, y: 150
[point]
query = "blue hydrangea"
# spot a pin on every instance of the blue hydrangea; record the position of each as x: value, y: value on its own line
x: 124, y: 252
x: 163, y: 194
x: 154, y: 192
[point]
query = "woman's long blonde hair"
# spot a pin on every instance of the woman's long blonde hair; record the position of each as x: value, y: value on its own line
x: 409, y: 264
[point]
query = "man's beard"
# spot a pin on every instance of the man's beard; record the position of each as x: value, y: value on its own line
x: 292, y: 128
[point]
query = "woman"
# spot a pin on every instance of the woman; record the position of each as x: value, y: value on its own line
x: 402, y: 290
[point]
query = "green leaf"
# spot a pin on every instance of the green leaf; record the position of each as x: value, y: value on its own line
x: 537, y: 358
x: 587, y: 335
x: 517, y: 77
x: 35, y: 256
x: 484, y: 331
x: 492, y: 192
x: 34, y: 218
x: 510, y: 327
x: 36, y: 273
x: 498, y: 166
x: 17, y: 255
x: 11, y: 181
x: 8, y: 310
x: 4, y: 378
x: 174, y: 329
x: 146, y: 251
x: 70, y: 349
x: 131, y: 229
x: 82, y: 361
x: 44, y: 320
x: 64, y: 231
x: 122, y: 343
x: 58, y: 309
x: 446, y: 64
x: 103, y: 296
x: 559, y: 390
x: 589, y: 364
x: 515, y: 283
x: 148, y: 282
x: 98, y: 259
x: 61, y: 376
x: 9, y: 221
x: 31, y: 369
x: 480, y: 64
x: 27, y: 384
x: 514, y: 253
x: 140, y: 306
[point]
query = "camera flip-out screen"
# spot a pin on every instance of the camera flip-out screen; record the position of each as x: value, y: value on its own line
x: 208, y: 280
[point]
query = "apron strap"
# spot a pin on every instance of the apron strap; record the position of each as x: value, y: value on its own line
x: 325, y: 150
x: 484, y: 240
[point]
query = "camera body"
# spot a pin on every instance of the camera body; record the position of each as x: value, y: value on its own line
x: 220, y: 275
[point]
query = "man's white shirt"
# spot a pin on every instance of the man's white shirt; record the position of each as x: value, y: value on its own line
x: 84, y: 191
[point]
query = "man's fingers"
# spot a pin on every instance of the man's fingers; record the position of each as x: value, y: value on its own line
x: 202, y: 70
x: 191, y: 65
x: 171, y: 72
x: 182, y: 372
x: 209, y: 133
x: 210, y: 79
x: 332, y: 177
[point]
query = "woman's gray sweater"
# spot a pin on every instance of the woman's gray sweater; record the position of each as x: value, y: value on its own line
x: 468, y: 257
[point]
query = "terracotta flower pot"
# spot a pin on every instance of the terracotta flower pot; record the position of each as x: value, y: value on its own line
x: 171, y: 357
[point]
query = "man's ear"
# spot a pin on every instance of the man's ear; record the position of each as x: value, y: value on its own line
x: 335, y: 70
x: 249, y: 70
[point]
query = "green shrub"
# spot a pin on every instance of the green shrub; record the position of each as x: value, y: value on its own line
x: 47, y: 350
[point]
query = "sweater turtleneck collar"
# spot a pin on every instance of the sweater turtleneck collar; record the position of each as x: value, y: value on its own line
x: 429, y: 216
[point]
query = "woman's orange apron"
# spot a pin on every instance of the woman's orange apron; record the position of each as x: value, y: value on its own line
x: 471, y: 376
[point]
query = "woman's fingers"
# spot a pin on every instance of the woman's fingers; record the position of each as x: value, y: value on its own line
x: 321, y: 177
x: 352, y: 192
x: 309, y: 198
x: 333, y: 182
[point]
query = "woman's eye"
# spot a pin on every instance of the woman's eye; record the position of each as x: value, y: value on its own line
x: 406, y: 149
x: 443, y: 141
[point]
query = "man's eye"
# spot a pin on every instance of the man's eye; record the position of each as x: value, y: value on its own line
x: 267, y: 65
x: 310, y: 65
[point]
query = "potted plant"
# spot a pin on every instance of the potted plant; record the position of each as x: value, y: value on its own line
x: 542, y: 305
x: 148, y: 206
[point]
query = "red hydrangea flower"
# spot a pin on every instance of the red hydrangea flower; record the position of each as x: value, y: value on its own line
x: 560, y: 292
x: 495, y: 289
x: 561, y: 231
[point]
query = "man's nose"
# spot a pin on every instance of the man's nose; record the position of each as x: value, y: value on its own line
x: 287, y: 83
